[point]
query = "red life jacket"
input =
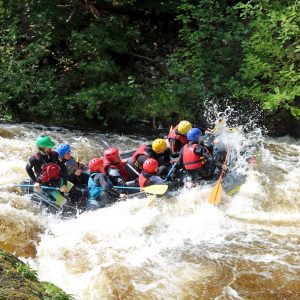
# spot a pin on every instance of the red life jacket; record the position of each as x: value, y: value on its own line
x: 119, y: 165
x: 141, y: 150
x: 50, y: 172
x: 142, y: 180
x: 191, y: 160
x: 174, y: 135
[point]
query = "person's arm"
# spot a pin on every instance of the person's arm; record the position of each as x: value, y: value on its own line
x: 29, y: 170
x: 174, y: 145
x: 167, y: 155
x: 155, y: 180
x: 218, y: 160
x: 106, y: 184
x: 179, y: 164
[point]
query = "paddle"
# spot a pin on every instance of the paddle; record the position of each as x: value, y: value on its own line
x: 156, y: 189
x: 27, y: 185
x: 60, y: 200
x: 31, y: 185
x: 170, y: 172
x: 216, y: 193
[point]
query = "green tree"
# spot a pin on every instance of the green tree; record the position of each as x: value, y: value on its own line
x: 270, y: 70
x: 210, y: 53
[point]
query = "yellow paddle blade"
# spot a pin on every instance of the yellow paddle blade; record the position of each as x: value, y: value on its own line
x: 216, y: 194
x: 157, y: 189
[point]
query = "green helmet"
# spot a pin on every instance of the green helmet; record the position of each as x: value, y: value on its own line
x: 44, y: 142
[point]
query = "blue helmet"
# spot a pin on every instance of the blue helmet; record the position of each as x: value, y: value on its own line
x: 63, y: 149
x: 194, y: 134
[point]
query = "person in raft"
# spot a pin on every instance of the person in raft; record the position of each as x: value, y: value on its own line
x: 157, y: 150
x: 100, y: 188
x: 45, y: 168
x: 177, y: 137
x: 149, y: 176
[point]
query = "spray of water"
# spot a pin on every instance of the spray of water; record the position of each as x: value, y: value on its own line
x: 177, y: 247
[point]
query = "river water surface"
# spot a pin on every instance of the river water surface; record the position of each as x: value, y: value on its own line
x: 168, y: 248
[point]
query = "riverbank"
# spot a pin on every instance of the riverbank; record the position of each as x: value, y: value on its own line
x: 275, y: 124
x: 19, y: 282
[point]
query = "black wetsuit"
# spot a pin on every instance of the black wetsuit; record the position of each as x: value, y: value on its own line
x: 162, y: 158
x: 38, y: 160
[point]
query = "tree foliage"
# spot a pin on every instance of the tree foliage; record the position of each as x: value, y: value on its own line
x: 271, y: 63
x: 106, y: 62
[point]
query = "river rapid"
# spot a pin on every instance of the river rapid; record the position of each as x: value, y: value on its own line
x: 178, y: 247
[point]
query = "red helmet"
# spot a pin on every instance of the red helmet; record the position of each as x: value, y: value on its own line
x: 150, y: 165
x: 96, y: 165
x: 112, y: 155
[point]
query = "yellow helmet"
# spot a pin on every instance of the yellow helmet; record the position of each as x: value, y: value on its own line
x: 159, y: 145
x: 184, y: 127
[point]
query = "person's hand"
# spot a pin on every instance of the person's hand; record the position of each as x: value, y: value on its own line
x: 224, y: 167
x: 123, y: 160
x: 64, y: 188
x: 78, y: 172
x: 123, y: 196
x: 37, y: 186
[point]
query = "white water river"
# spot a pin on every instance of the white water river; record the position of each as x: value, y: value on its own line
x: 168, y: 248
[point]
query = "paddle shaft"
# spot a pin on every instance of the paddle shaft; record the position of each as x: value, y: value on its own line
x: 127, y: 187
x: 31, y: 185
x: 171, y: 170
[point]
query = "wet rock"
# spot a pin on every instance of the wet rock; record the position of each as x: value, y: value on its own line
x: 282, y: 123
x: 19, y: 282
x: 6, y: 133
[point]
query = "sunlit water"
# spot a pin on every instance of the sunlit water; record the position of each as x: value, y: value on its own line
x: 166, y: 248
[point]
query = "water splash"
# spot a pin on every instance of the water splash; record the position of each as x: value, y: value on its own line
x: 167, y: 248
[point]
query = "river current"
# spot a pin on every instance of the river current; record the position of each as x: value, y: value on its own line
x: 178, y: 247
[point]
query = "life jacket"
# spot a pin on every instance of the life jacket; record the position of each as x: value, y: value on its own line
x: 143, y: 149
x: 71, y: 165
x: 50, y: 171
x: 119, y: 165
x: 191, y: 160
x: 174, y: 134
x: 95, y: 190
x: 143, y: 178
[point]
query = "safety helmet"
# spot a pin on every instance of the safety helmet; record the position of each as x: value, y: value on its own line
x: 96, y: 164
x: 194, y: 134
x: 159, y: 145
x: 184, y: 127
x: 150, y: 165
x: 44, y: 142
x: 63, y: 149
x: 112, y: 155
